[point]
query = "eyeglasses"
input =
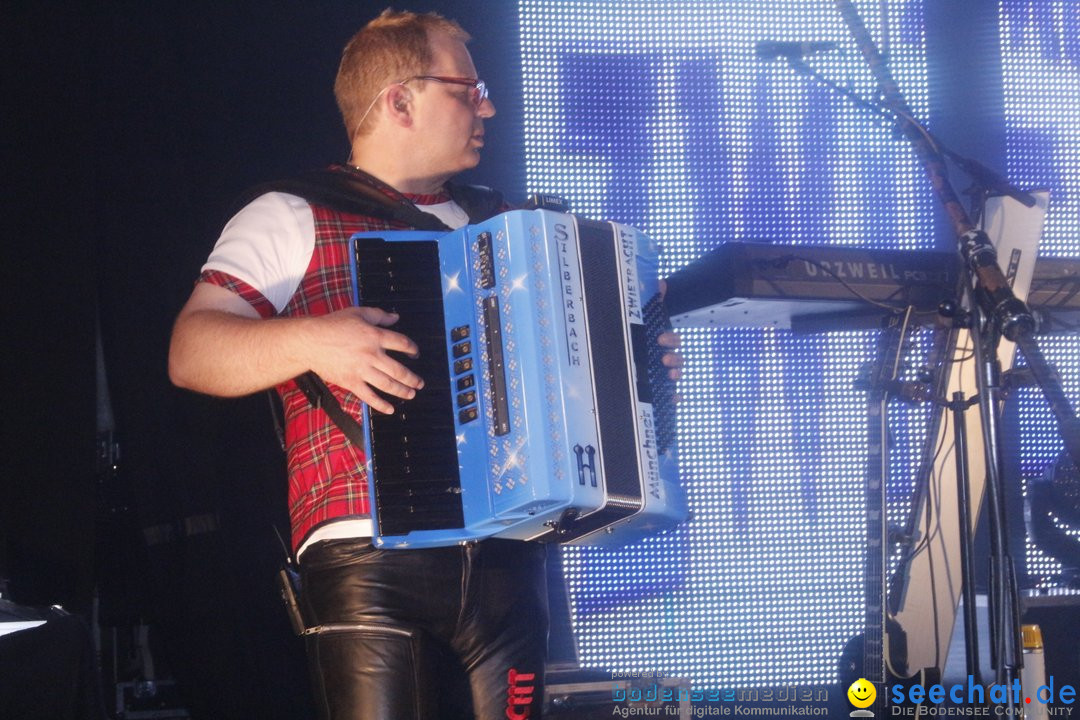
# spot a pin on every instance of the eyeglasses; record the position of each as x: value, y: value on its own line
x: 477, y: 95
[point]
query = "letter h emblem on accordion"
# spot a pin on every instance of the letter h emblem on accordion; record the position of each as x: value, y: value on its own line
x: 546, y: 413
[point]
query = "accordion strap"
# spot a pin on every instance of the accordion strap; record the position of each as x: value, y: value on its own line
x: 319, y: 395
x: 351, y: 190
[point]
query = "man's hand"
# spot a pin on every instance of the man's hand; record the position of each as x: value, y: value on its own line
x: 220, y: 346
x: 671, y: 360
x: 356, y: 344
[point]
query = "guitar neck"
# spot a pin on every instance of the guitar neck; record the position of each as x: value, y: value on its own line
x: 890, y: 345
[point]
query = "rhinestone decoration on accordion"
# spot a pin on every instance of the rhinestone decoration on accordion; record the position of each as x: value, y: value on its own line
x: 507, y: 454
x: 547, y: 346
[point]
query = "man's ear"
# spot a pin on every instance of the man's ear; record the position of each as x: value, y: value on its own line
x: 398, y: 101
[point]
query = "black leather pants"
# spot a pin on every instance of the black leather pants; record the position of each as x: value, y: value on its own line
x: 452, y: 632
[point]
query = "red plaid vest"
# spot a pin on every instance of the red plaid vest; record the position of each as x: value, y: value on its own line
x: 327, y: 480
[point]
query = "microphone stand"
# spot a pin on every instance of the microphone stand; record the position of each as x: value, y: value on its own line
x: 996, y: 313
x: 985, y: 181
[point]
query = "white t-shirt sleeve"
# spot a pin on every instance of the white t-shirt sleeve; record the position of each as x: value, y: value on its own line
x: 449, y: 212
x: 268, y: 245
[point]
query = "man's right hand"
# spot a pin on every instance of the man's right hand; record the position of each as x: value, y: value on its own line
x: 357, y: 343
x: 221, y: 346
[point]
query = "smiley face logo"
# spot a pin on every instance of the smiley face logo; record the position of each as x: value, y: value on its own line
x: 862, y: 693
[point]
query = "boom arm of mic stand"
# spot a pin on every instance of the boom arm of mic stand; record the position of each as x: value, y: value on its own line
x: 1000, y: 304
x: 800, y: 66
x: 984, y: 178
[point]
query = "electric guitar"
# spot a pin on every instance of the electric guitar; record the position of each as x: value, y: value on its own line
x: 878, y: 654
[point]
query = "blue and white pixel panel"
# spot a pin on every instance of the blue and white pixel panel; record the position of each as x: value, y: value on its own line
x: 658, y: 114
x: 1040, y: 42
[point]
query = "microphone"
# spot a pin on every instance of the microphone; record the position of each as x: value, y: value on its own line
x: 772, y: 49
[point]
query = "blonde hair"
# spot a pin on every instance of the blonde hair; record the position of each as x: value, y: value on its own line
x: 392, y: 47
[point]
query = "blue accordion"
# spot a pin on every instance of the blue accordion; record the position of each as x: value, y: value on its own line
x: 546, y: 413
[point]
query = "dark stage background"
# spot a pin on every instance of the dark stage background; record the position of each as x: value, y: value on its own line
x: 129, y: 130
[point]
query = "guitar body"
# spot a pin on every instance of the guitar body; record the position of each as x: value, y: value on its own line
x: 853, y: 665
